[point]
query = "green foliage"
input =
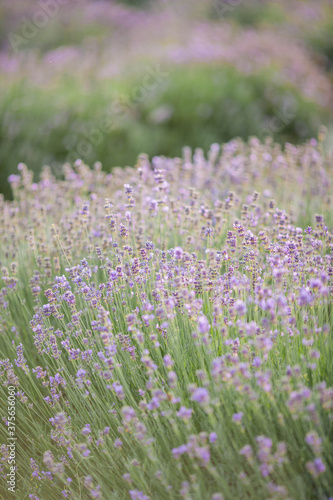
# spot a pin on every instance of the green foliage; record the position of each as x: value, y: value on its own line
x: 255, y: 13
x: 136, y: 3
x: 321, y: 41
x: 196, y: 105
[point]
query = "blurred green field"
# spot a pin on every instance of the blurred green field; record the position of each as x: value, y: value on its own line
x: 80, y: 87
x: 199, y: 106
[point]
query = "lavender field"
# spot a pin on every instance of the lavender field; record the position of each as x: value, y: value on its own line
x: 166, y: 328
x: 166, y: 224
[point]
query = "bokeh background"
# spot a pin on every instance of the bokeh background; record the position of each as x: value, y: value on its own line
x: 106, y: 80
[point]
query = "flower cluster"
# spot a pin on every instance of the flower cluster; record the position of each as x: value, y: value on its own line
x: 169, y: 331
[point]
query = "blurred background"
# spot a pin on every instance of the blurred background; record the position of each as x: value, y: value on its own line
x: 106, y: 80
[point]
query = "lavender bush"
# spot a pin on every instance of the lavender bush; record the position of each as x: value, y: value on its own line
x: 167, y: 327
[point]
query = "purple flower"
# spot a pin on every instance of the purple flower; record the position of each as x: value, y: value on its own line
x: 168, y: 361
x: 95, y: 493
x: 314, y: 441
x: 264, y: 442
x: 212, y: 437
x: 154, y: 404
x: 305, y: 298
x: 138, y: 495
x: 203, y: 325
x: 264, y: 469
x: 177, y: 452
x: 203, y: 454
x: 86, y: 430
x: 118, y: 389
x: 21, y: 361
x: 178, y: 253
x: 118, y: 443
x: 240, y: 307
x: 237, y: 417
x: 201, y: 395
x: 184, y: 413
x: 172, y: 379
x: 256, y: 362
x: 184, y: 489
x: 14, y: 179
x: 316, y: 467
x: 315, y: 283
x: 246, y: 451
x: 128, y: 413
x: 84, y: 450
